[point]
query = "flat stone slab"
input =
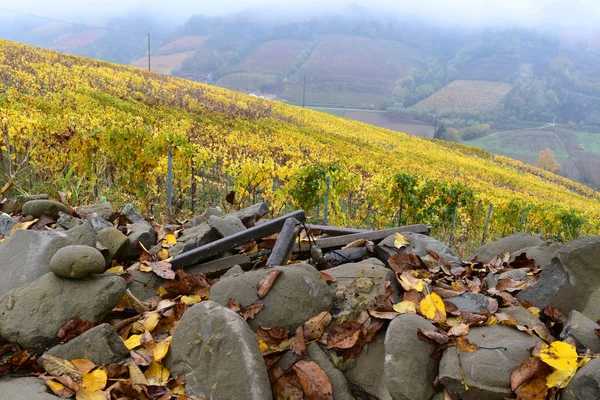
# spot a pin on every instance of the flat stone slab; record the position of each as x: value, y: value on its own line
x: 28, y: 388
x: 511, y: 244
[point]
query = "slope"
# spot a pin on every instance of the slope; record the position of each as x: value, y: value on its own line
x: 93, y: 128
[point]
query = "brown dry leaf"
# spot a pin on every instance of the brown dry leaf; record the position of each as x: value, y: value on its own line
x: 555, y: 315
x: 135, y: 374
x: 433, y: 337
x: 162, y: 269
x: 344, y: 336
x: 297, y: 343
x: 356, y: 243
x: 74, y: 328
x: 315, y: 382
x: 389, y: 315
x: 57, y: 367
x: 265, y: 284
x: 83, y: 365
x: 401, y: 262
x: 59, y: 389
x: 234, y: 305
x: 535, y: 389
x: 285, y: 385
x: 314, y: 327
x: 528, y: 370
x: 328, y: 278
x: 506, y: 319
x: 459, y: 330
x: 250, y: 311
x: 463, y: 344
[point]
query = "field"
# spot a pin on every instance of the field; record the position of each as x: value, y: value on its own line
x: 275, y: 56
x: 72, y: 41
x: 413, y: 128
x: 248, y: 82
x: 184, y: 43
x: 92, y: 129
x: 478, y: 96
x: 163, y: 64
x: 498, y: 68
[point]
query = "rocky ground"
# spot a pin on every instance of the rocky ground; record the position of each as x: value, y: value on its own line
x: 98, y: 303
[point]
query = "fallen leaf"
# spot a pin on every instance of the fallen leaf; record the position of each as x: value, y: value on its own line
x: 315, y: 326
x: 133, y: 342
x: 400, y: 241
x: 297, y: 343
x: 83, y: 365
x: 405, y: 307
x: 135, y: 374
x: 234, y: 305
x: 157, y: 374
x: 285, y: 384
x: 59, y: 389
x: 535, y: 311
x: 315, y: 382
x: 169, y: 240
x: 463, y: 344
x: 459, y: 330
x: 389, y: 315
x: 559, y: 355
x: 560, y: 378
x: 95, y: 380
x: 250, y: 311
x: 162, y: 269
x: 356, y: 243
x: 432, y: 307
x: 56, y: 366
x: 344, y: 336
x: 410, y: 282
x: 161, y: 349
x: 530, y: 369
x: 190, y: 300
x: 117, y: 270
x: 555, y: 315
x: 328, y: 278
x: 74, y: 328
x: 265, y: 284
x: 433, y: 337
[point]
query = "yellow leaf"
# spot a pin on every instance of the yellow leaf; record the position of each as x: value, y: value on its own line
x: 133, y: 342
x: 23, y: 225
x: 57, y: 367
x: 169, y: 240
x: 157, y: 374
x: 151, y: 321
x: 400, y: 241
x: 409, y: 282
x: 179, y: 390
x: 145, y: 267
x: 59, y: 389
x: 432, y: 307
x: 161, y: 349
x: 163, y: 254
x: 559, y: 379
x: 83, y: 365
x: 559, y: 355
x: 86, y: 394
x: 189, y: 300
x: 535, y: 311
x: 405, y: 307
x: 95, y: 380
x: 263, y: 346
x: 135, y: 374
x: 161, y: 291
x: 115, y: 270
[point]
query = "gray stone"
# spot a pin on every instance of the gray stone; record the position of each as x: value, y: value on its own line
x: 511, y: 244
x: 487, y: 370
x: 251, y: 214
x: 585, y: 385
x: 32, y: 315
x: 525, y: 318
x: 339, y: 383
x: 82, y: 235
x: 77, y: 262
x: 203, y: 218
x: 572, y: 281
x: 6, y: 224
x: 542, y: 254
x: 217, y: 353
x: 67, y: 221
x: 97, y: 222
x: 409, y: 367
x: 129, y: 212
x: 366, y: 372
x: 102, y: 345
x: 234, y: 271
x: 193, y: 238
x: 473, y: 302
x: 50, y: 208
x: 357, y: 286
x: 24, y: 388
x: 139, y: 232
x: 298, y: 294
x: 220, y: 266
x: 114, y: 241
x: 582, y: 329
x: 143, y: 285
x: 104, y: 210
x: 418, y: 244
x: 227, y: 225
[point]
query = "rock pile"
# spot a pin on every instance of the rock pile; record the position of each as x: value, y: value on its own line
x: 203, y: 309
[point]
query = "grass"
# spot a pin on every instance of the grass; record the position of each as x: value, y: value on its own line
x: 589, y: 141
x: 478, y: 96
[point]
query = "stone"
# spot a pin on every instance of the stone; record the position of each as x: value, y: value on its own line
x: 360, y: 284
x: 227, y: 225
x: 572, y: 281
x: 582, y: 329
x: 473, y: 302
x: 298, y: 294
x: 193, y: 238
x: 409, y: 368
x: 251, y: 214
x: 67, y: 221
x: 26, y: 254
x: 487, y: 370
x: 139, y: 232
x: 542, y: 254
x: 129, y: 212
x: 32, y: 315
x: 77, y: 262
x: 492, y: 279
x: 143, y: 285
x: 104, y: 210
x: 234, y: 271
x: 525, y: 318
x: 24, y: 388
x: 585, y: 385
x: 512, y: 244
x: 203, y: 218
x: 50, y: 208
x: 418, y: 244
x: 6, y: 224
x: 339, y: 383
x: 102, y: 345
x: 115, y: 242
x: 366, y: 372
x: 217, y: 353
x: 220, y: 266
x: 97, y: 222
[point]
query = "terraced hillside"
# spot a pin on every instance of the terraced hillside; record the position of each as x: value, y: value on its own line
x: 471, y: 96
x: 91, y: 128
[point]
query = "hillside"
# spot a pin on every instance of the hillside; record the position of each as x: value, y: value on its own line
x: 92, y: 128
x: 467, y: 96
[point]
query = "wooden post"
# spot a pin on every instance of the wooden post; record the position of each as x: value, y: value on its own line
x: 5, y: 130
x: 193, y: 188
x: 326, y: 203
x: 285, y: 243
x: 169, y: 180
x: 453, y: 226
x: 487, y: 222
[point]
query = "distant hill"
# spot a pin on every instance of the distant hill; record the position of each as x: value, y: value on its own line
x: 467, y: 96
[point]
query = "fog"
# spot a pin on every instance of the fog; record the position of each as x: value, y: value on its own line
x: 574, y: 14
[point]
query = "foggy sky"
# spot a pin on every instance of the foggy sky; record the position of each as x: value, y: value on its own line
x: 584, y: 14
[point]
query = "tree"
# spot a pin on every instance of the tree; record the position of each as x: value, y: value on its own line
x: 547, y: 161
x: 440, y: 132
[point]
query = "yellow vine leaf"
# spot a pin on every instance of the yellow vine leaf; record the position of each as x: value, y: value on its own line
x: 85, y: 394
x: 169, y: 240
x: 559, y: 355
x: 161, y: 349
x: 95, y: 380
x: 405, y: 307
x: 409, y: 282
x: 400, y: 241
x: 133, y: 342
x: 115, y: 270
x: 135, y: 374
x: 189, y: 300
x: 157, y: 374
x: 56, y: 366
x: 59, y: 389
x: 432, y: 307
